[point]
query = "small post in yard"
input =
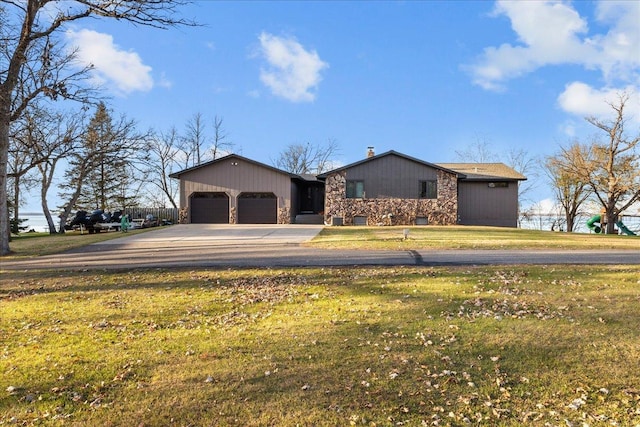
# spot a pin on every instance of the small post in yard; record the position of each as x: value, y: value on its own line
x: 405, y: 234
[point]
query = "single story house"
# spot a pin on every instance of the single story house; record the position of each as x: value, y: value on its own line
x: 385, y: 189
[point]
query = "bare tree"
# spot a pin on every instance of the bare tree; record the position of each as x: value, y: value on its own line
x: 478, y: 152
x: 20, y: 168
x: 307, y: 158
x: 613, y: 171
x: 571, y: 190
x: 527, y: 165
x: 55, y: 138
x: 220, y: 141
x: 194, y: 140
x: 163, y: 158
x: 30, y: 53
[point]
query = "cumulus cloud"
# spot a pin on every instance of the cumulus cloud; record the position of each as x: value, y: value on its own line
x: 553, y: 33
x: 121, y: 70
x: 581, y: 99
x: 292, y: 72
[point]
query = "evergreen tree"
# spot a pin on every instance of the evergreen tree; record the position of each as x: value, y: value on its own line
x: 95, y: 177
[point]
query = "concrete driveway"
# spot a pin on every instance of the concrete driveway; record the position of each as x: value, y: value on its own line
x: 181, y: 235
x: 239, y: 246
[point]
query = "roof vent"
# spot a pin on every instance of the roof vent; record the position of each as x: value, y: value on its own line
x: 370, y: 152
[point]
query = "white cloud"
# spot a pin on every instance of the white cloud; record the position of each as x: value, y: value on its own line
x: 568, y: 128
x: 583, y: 100
x: 293, y: 72
x: 114, y: 68
x: 164, y: 81
x: 553, y: 33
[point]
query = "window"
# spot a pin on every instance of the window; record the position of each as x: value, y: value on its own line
x: 355, y: 189
x: 429, y: 189
x: 498, y: 185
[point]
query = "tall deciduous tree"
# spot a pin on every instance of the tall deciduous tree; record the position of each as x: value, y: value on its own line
x: 220, y: 141
x: 307, y: 158
x: 199, y: 145
x: 570, y: 188
x: 43, y: 137
x: 20, y: 165
x: 28, y: 54
x: 162, y: 160
x: 194, y: 141
x: 613, y: 171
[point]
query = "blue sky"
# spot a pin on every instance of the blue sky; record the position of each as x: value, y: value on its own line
x: 426, y: 78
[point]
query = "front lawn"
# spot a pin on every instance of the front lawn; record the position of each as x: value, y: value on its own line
x: 465, y: 237
x: 385, y: 346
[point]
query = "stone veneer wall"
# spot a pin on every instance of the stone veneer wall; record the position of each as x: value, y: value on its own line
x: 284, y: 216
x: 183, y: 216
x: 233, y: 217
x: 390, y: 211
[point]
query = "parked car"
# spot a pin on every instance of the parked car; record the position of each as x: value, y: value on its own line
x: 150, y: 221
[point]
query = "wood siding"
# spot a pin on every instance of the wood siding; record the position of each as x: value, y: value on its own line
x: 234, y: 176
x: 391, y: 177
x: 480, y: 204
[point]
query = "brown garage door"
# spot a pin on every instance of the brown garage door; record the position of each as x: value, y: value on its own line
x: 257, y: 208
x: 209, y: 208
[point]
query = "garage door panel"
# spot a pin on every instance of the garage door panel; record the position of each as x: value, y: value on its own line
x: 257, y: 208
x: 209, y: 208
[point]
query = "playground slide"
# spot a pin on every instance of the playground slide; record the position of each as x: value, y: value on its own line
x: 595, y: 225
x: 592, y: 224
x: 624, y: 229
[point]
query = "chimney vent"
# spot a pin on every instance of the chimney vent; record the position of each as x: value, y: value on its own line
x: 370, y: 152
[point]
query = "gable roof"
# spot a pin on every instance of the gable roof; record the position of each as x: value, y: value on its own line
x: 393, y: 153
x: 485, y: 171
x: 229, y: 157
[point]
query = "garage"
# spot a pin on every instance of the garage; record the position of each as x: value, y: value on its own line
x: 257, y: 208
x: 209, y: 208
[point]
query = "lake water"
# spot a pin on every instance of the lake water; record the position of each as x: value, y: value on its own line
x: 37, y: 221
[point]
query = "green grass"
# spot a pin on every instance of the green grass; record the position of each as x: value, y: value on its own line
x: 487, y: 346
x: 389, y: 238
x: 36, y: 244
x: 465, y: 237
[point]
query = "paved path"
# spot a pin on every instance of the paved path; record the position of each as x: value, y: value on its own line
x: 280, y: 246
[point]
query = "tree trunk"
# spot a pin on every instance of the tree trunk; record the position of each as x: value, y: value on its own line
x: 45, y: 207
x: 611, y: 219
x: 5, y: 231
x: 570, y: 221
x: 16, y: 204
x: 47, y: 170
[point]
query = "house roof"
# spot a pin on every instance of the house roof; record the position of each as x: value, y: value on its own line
x: 485, y: 171
x: 393, y: 153
x: 229, y: 157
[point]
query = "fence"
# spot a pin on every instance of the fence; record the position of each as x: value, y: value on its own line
x: 169, y: 214
x: 556, y: 223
